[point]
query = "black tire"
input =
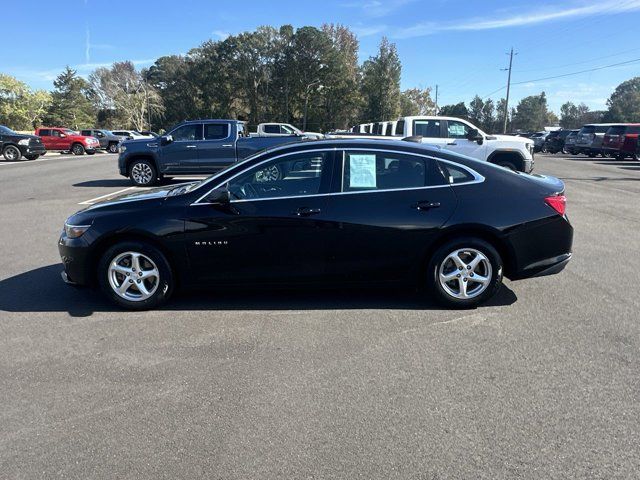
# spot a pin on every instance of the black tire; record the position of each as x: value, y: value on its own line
x: 165, y: 280
x: 90, y: 152
x: 12, y: 153
x: 77, y: 149
x: 509, y: 166
x: 113, y: 147
x: 591, y: 154
x: 439, y: 257
x: 143, y: 173
x: 31, y: 157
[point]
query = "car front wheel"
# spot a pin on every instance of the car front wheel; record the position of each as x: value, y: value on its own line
x: 113, y: 147
x: 465, y: 273
x: 77, y: 149
x: 11, y: 153
x: 142, y: 173
x: 135, y: 275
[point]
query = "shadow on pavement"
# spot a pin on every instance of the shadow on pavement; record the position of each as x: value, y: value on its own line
x: 42, y: 290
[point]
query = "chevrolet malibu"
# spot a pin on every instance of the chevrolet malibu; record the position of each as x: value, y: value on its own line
x: 338, y: 212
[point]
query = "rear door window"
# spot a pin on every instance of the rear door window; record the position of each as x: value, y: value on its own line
x: 364, y: 170
x: 427, y: 128
x: 616, y: 130
x: 271, y: 129
x: 215, y: 131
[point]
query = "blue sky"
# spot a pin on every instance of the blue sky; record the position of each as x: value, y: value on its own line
x: 459, y: 45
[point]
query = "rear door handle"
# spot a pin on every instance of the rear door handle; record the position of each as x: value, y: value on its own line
x: 192, y: 146
x: 227, y: 145
x: 426, y: 205
x: 306, y: 211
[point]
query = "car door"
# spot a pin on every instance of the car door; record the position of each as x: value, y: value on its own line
x: 274, y: 229
x: 217, y: 149
x: 431, y: 131
x: 45, y: 137
x: 180, y: 155
x: 58, y: 142
x: 457, y: 141
x: 387, y: 209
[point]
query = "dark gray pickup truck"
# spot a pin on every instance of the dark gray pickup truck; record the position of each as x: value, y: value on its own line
x: 194, y: 147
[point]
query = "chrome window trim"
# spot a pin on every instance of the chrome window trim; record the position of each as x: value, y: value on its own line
x: 477, y: 177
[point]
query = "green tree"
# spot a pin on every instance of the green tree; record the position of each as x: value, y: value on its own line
x: 416, y: 101
x: 476, y: 107
x: 574, y: 116
x: 20, y: 107
x: 624, y: 103
x: 457, y: 110
x: 70, y: 102
x: 380, y: 85
x: 488, y: 117
x: 532, y: 114
x: 124, y: 91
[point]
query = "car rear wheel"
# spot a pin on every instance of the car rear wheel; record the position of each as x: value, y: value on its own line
x: 77, y: 149
x: 465, y: 273
x: 135, y: 275
x: 142, y: 173
x: 11, y: 153
x: 113, y: 147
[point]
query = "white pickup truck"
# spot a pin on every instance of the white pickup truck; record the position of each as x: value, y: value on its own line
x: 461, y: 136
x: 283, y: 130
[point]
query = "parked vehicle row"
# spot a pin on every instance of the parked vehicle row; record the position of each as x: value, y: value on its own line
x: 618, y: 140
x: 337, y: 212
x: 283, y: 130
x: 456, y: 135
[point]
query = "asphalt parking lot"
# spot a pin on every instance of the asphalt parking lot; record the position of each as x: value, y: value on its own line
x: 542, y: 383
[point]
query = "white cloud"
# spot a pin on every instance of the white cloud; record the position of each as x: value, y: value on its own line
x: 378, y: 8
x: 221, y: 34
x: 535, y: 16
x: 367, y: 31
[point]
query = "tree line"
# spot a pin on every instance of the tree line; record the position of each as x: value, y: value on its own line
x: 307, y: 76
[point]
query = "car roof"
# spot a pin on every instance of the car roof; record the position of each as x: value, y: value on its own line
x: 211, y: 120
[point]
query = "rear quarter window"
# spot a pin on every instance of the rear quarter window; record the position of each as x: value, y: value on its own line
x: 455, y: 174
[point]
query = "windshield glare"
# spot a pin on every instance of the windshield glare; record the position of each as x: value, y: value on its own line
x: 69, y: 132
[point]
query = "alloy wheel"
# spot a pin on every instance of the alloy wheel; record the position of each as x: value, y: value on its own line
x: 133, y: 276
x: 141, y: 173
x: 11, y: 153
x: 465, y: 273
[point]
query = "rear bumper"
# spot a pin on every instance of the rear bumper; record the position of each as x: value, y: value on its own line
x: 548, y: 266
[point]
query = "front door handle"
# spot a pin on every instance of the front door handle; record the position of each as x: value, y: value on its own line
x: 452, y: 143
x: 426, y: 205
x: 306, y: 211
x: 227, y: 145
x: 192, y: 146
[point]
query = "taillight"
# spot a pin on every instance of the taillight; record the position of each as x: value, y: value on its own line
x: 558, y: 203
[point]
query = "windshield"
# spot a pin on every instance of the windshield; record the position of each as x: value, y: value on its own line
x: 6, y: 130
x: 289, y: 129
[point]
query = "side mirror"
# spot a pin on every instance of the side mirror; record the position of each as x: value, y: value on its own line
x: 474, y: 136
x: 219, y: 196
x: 62, y: 135
x: 166, y: 140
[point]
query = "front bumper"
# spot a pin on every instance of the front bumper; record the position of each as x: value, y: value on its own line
x: 32, y: 149
x: 74, y: 253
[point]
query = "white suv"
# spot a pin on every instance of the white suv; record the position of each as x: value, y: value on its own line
x: 460, y: 136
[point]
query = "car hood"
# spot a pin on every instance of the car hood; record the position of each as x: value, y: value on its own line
x: 510, y: 138
x: 138, y: 196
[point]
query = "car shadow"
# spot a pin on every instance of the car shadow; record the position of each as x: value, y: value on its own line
x: 42, y: 290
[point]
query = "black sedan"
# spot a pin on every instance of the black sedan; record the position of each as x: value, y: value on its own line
x: 328, y: 211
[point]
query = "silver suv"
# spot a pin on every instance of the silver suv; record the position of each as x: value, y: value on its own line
x: 589, y: 139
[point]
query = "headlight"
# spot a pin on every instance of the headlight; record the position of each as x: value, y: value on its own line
x: 24, y: 141
x: 75, y: 231
x: 122, y: 148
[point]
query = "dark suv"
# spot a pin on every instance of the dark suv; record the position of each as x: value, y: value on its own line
x: 14, y: 145
x: 554, y: 142
x: 108, y: 141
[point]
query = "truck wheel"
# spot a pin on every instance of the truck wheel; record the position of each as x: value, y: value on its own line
x: 508, y: 165
x: 113, y: 147
x: 143, y: 173
x: 12, y: 153
x: 77, y: 149
x: 31, y: 157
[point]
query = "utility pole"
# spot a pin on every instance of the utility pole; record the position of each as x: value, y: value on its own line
x: 436, y: 112
x: 506, y: 103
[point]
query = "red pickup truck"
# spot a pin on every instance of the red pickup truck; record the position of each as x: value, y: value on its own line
x: 55, y: 138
